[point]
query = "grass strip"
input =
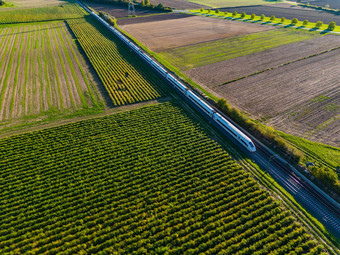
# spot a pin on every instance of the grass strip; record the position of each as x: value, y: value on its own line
x: 24, y: 89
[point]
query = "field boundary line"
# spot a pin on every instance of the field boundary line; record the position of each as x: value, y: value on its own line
x: 276, y: 67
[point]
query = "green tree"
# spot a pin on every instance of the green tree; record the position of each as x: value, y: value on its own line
x: 209, y: 11
x: 272, y: 18
x: 331, y: 25
x: 235, y: 13
x: 243, y: 14
x: 201, y: 10
x: 147, y: 3
x: 305, y: 22
x: 225, y: 13
x: 295, y: 21
x: 143, y: 3
x: 217, y: 11
x: 283, y: 19
x: 160, y: 6
x: 252, y: 16
x: 262, y: 16
x: 318, y: 24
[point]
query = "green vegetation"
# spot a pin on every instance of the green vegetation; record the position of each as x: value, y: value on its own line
x: 66, y: 11
x: 61, y: 87
x: 232, y: 3
x: 275, y: 22
x: 323, y: 152
x: 188, y: 57
x: 148, y: 181
x: 126, y: 77
x: 144, y: 4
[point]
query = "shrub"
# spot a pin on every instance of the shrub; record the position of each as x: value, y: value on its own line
x: 272, y: 18
x: 318, y: 24
x: 305, y: 22
x: 253, y: 16
x: 201, y: 10
x: 331, y: 25
x: 209, y: 11
x: 283, y: 19
x: 217, y: 11
x: 235, y: 13
x: 262, y: 17
x: 294, y: 21
x: 243, y: 14
x: 226, y: 13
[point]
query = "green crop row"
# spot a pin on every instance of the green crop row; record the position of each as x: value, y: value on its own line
x: 126, y: 77
x: 66, y: 11
x: 147, y: 181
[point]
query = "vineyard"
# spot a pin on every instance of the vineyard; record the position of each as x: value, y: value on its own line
x: 42, y: 70
x: 66, y: 11
x: 125, y: 76
x: 148, y: 181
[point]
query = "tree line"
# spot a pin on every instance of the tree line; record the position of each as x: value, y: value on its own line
x: 144, y: 4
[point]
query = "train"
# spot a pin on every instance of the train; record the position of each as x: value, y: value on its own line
x: 189, y: 94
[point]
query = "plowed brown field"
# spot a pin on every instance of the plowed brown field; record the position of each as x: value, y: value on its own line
x: 168, y: 34
x: 302, y: 98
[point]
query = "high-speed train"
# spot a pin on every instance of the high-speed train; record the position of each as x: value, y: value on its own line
x: 244, y: 140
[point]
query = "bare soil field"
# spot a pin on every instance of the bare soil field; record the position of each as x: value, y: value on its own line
x: 43, y: 71
x: 179, y: 4
x: 334, y: 4
x: 119, y: 11
x: 173, y: 33
x: 228, y: 70
x: 35, y: 3
x: 301, y: 98
x: 163, y: 17
x: 287, y: 11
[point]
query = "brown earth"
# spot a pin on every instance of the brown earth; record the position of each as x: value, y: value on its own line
x: 120, y: 11
x: 42, y: 83
x: 179, y: 4
x: 289, y: 97
x: 173, y: 33
x: 153, y: 18
x: 224, y: 71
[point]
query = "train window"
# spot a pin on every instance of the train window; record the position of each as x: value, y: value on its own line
x: 251, y: 145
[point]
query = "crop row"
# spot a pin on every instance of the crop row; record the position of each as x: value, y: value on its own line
x: 148, y: 181
x: 125, y: 76
x: 66, y: 11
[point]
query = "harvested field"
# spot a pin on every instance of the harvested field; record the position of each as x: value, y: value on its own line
x: 219, y: 50
x: 231, y: 3
x: 119, y: 11
x: 163, y: 17
x: 43, y: 72
x: 300, y: 98
x: 168, y: 34
x: 334, y: 4
x: 228, y: 70
x: 288, y: 11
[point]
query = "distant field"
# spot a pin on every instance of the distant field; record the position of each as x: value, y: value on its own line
x: 215, y: 51
x: 231, y: 3
x: 288, y: 11
x: 172, y: 33
x: 147, y: 181
x: 66, y: 11
x: 334, y: 4
x: 42, y: 72
x: 126, y: 77
x: 36, y: 3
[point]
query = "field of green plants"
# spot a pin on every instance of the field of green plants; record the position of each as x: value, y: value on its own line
x: 42, y: 71
x: 201, y: 54
x: 66, y: 11
x: 125, y: 76
x: 147, y: 181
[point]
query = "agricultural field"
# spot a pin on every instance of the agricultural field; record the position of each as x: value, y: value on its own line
x: 66, y: 11
x: 147, y: 181
x: 288, y: 11
x: 43, y: 72
x: 126, y: 77
x: 180, y: 4
x: 166, y: 34
x: 334, y: 4
x: 206, y: 53
x: 119, y: 11
x: 297, y: 98
x: 36, y: 3
x: 225, y: 71
x: 232, y: 3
